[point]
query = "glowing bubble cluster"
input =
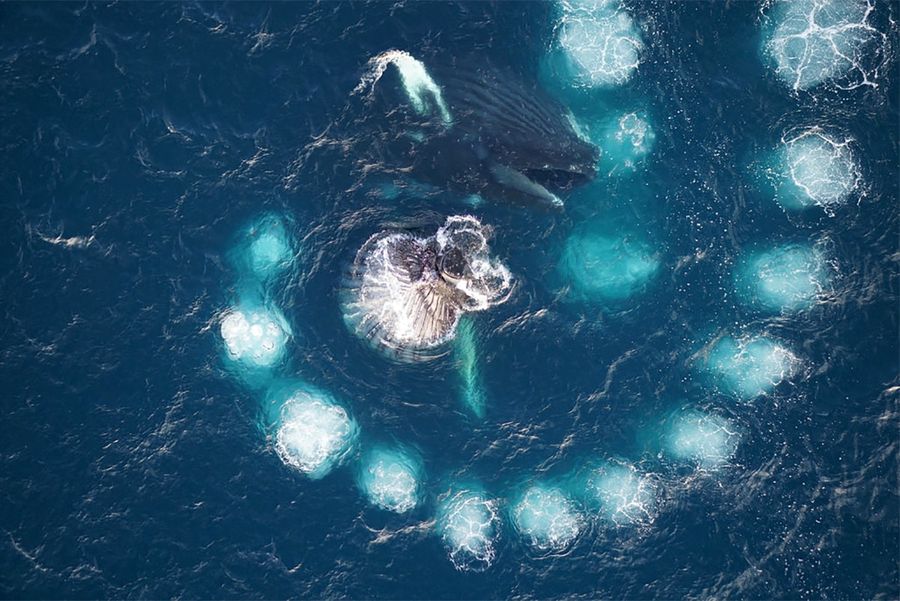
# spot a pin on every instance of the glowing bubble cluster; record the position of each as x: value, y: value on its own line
x: 622, y: 494
x: 606, y: 266
x: 704, y: 439
x: 817, y: 169
x: 783, y: 278
x: 315, y: 434
x: 468, y: 523
x: 750, y: 367
x: 600, y: 42
x: 814, y: 41
x: 547, y: 518
x: 390, y: 479
x: 256, y: 337
x: 624, y: 139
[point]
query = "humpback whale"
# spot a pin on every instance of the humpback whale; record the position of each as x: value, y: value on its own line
x: 481, y: 131
x: 406, y: 294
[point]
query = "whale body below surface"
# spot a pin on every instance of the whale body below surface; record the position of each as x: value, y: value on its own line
x: 487, y: 132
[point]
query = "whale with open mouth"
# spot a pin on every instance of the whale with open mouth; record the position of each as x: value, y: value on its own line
x: 483, y: 131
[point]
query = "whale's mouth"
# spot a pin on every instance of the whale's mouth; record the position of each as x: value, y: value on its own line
x: 559, y: 179
x: 541, y: 185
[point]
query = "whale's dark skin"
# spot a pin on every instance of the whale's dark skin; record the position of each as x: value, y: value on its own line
x: 509, y: 140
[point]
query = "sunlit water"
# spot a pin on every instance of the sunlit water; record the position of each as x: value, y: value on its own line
x: 683, y: 384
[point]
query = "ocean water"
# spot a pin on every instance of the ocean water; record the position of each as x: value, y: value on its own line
x: 166, y: 166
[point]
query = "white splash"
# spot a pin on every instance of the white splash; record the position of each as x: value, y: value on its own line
x: 420, y: 88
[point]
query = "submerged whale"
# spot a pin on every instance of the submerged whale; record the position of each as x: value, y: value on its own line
x: 482, y: 131
x: 406, y: 294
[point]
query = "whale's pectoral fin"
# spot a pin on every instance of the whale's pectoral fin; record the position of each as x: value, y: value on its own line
x: 519, y: 186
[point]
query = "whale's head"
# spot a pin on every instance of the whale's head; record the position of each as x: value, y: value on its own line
x: 527, y: 146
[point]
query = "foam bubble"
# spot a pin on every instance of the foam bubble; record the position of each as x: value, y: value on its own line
x: 814, y: 41
x: 624, y: 496
x: 752, y: 366
x: 606, y: 266
x: 423, y: 93
x: 390, y: 479
x: 601, y: 43
x: 468, y: 524
x: 817, y: 169
x: 315, y: 434
x: 255, y: 338
x: 547, y: 518
x: 783, y: 278
x: 707, y: 440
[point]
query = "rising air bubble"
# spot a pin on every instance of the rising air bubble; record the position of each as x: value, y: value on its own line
x: 600, y: 45
x: 816, y: 169
x: 783, y: 278
x: 814, y: 41
x: 255, y: 337
x: 314, y: 434
x: 751, y: 366
x: 624, y: 139
x: 468, y: 523
x: 390, y: 479
x: 704, y: 439
x: 547, y: 518
x: 621, y: 494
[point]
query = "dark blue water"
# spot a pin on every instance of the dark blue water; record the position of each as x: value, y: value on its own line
x: 139, y: 138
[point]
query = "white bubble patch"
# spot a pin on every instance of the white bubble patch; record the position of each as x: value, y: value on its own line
x: 814, y: 41
x: 818, y: 169
x: 601, y: 41
x: 256, y: 338
x: 624, y: 495
x: 390, y: 480
x: 547, y: 518
x: 707, y: 440
x: 314, y: 434
x: 468, y: 523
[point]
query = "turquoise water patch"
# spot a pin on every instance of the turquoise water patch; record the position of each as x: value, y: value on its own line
x: 750, y: 367
x: 704, y: 439
x: 468, y: 523
x: 547, y: 518
x: 603, y: 265
x: 809, y: 42
x: 783, y: 278
x: 264, y: 249
x: 391, y: 479
x: 624, y: 138
x: 621, y: 494
x: 314, y: 434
